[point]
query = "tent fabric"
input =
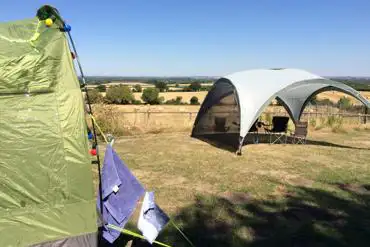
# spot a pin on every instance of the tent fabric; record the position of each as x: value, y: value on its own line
x: 297, y: 96
x: 75, y: 241
x: 46, y: 189
x: 254, y: 90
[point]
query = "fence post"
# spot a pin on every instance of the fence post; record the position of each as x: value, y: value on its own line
x: 147, y: 117
x: 365, y: 117
x: 135, y: 119
x: 359, y: 118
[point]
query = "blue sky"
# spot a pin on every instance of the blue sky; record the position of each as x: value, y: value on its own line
x: 213, y: 37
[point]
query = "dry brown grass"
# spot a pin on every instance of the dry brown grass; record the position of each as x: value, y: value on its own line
x: 335, y: 96
x: 175, y: 162
x: 133, y: 120
x: 157, y: 108
x: 192, y: 180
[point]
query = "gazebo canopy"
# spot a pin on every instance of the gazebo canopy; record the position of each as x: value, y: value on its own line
x: 241, y: 97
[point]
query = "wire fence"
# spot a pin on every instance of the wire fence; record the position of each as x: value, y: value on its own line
x: 186, y: 118
x: 121, y: 121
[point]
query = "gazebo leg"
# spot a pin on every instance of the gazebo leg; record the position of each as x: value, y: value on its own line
x: 239, y: 151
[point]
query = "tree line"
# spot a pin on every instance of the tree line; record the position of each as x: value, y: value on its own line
x: 162, y: 86
x: 121, y: 94
x: 359, y: 84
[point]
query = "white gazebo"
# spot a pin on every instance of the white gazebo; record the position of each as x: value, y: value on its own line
x: 240, y: 98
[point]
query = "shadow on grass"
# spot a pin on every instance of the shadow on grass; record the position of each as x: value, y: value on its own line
x: 226, y: 141
x: 302, y: 217
x: 329, y: 144
x: 229, y: 142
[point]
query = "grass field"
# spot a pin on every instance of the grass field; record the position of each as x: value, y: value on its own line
x: 273, y: 195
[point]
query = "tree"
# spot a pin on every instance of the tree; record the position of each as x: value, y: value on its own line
x: 178, y: 100
x: 160, y: 100
x: 150, y: 96
x: 344, y: 103
x: 195, y: 86
x: 119, y: 95
x: 101, y: 88
x: 161, y: 85
x: 313, y: 100
x: 138, y: 88
x: 206, y: 88
x: 187, y: 89
x: 194, y: 100
x: 325, y: 102
x: 95, y: 96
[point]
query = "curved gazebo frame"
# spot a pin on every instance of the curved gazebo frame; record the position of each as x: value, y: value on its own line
x: 254, y: 90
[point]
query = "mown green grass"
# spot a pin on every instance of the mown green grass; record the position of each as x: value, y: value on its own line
x: 274, y: 195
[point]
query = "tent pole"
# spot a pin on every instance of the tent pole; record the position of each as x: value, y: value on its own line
x: 93, y: 124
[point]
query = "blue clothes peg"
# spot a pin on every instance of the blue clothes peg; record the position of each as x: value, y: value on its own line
x: 67, y: 28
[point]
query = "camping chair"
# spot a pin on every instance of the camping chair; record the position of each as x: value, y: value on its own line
x: 300, y: 133
x: 279, y: 129
x: 220, y: 124
x: 254, y: 130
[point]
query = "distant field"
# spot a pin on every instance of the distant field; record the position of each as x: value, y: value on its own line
x: 143, y: 84
x: 335, y: 96
x: 126, y: 83
x: 186, y: 96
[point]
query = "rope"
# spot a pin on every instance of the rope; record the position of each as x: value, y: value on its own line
x: 125, y: 231
x: 91, y: 113
x: 98, y: 127
x: 183, y: 234
x: 128, y: 232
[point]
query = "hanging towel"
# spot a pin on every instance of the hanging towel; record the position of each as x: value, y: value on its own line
x: 152, y: 219
x: 121, y: 192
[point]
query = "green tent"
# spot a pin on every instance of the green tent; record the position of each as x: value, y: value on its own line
x: 46, y: 188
